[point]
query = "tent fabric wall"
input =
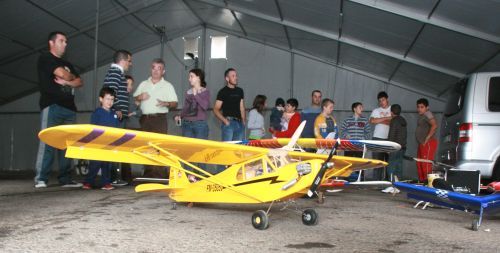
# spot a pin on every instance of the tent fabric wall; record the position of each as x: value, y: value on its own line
x: 262, y: 69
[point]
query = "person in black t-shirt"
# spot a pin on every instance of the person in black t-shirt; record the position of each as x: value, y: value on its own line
x: 57, y: 80
x: 229, y: 108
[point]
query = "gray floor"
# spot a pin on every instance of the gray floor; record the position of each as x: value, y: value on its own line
x: 355, y: 220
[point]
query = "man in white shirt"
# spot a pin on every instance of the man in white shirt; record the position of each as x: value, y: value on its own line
x: 381, y: 118
x: 155, y: 96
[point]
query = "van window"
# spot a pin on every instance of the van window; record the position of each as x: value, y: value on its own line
x: 494, y: 95
x: 456, y: 98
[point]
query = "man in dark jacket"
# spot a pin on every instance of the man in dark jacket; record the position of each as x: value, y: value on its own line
x: 397, y: 133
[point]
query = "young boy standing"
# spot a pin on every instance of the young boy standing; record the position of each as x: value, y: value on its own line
x: 397, y: 133
x: 355, y: 128
x: 103, y: 116
x: 425, y: 134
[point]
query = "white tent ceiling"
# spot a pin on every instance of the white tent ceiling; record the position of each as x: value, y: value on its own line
x: 426, y: 45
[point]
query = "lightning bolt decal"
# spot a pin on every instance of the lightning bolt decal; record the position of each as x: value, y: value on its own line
x: 271, y: 179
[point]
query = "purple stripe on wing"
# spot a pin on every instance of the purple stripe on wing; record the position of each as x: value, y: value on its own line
x: 123, y: 139
x: 96, y: 132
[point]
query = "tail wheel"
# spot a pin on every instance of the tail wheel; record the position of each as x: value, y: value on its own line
x: 260, y: 220
x: 309, y: 217
x: 475, y: 225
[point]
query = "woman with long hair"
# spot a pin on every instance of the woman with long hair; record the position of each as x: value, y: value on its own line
x: 256, y: 118
x: 194, y: 111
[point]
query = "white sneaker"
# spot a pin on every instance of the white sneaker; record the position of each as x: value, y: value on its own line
x: 72, y: 184
x: 40, y: 184
x: 119, y: 182
x: 395, y: 191
x: 389, y: 189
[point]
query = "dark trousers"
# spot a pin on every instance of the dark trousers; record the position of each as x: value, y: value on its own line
x: 156, y: 123
x: 94, y: 167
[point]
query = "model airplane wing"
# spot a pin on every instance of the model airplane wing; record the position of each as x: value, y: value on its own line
x: 353, y: 145
x: 453, y: 200
x: 122, y: 145
x: 450, y: 199
x: 129, y: 146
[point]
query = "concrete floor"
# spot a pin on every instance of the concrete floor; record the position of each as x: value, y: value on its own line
x: 355, y: 220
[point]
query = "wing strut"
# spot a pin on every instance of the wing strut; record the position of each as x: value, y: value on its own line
x: 179, y: 160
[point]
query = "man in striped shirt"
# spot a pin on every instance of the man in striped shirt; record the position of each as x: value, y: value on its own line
x: 115, y: 79
x: 355, y: 128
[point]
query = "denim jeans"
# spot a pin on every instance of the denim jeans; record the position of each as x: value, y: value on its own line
x: 195, y: 129
x: 233, y: 131
x: 53, y: 115
x: 395, y: 166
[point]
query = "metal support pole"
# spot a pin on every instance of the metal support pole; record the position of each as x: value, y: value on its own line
x: 292, y: 64
x: 202, y: 54
x: 162, y: 46
x: 96, y: 42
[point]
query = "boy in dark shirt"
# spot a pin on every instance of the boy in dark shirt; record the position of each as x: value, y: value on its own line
x: 103, y: 116
x: 397, y: 133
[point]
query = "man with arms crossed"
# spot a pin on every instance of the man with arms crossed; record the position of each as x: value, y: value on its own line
x: 57, y: 79
x: 381, y: 118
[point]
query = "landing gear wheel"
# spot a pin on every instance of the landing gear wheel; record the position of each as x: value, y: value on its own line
x: 260, y: 220
x: 475, y: 225
x: 309, y: 217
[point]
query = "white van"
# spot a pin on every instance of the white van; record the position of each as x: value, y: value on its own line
x: 470, y: 129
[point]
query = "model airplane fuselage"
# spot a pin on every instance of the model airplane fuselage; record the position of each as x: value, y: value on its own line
x: 258, y: 180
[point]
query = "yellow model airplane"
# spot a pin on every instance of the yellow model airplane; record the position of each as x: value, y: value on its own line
x: 253, y: 174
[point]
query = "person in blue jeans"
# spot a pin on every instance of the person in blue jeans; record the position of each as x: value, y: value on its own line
x: 103, y: 116
x: 196, y: 102
x: 194, y: 112
x: 229, y: 108
x: 398, y: 134
x: 57, y: 81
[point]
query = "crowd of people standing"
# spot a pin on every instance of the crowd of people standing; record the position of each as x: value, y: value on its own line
x: 154, y: 98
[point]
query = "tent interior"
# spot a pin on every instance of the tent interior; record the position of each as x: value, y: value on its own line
x: 348, y: 49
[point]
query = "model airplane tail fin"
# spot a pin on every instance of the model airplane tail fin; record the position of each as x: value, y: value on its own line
x: 295, y: 137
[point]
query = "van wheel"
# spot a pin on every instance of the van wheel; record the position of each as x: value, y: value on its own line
x: 496, y: 171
